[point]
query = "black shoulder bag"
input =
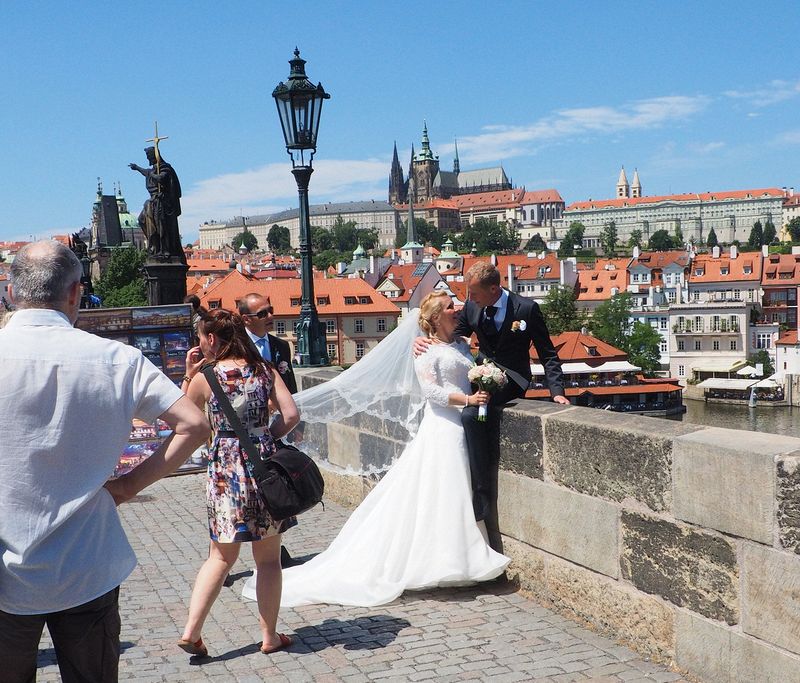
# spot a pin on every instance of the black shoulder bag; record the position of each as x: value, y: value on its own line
x: 289, y: 482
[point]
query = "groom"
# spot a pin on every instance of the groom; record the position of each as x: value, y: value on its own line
x: 506, y: 325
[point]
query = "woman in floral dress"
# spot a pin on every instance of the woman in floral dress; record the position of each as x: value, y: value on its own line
x: 235, y: 511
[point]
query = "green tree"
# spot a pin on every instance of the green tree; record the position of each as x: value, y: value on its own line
x: 635, y: 239
x: 344, y: 234
x: 535, y: 243
x: 572, y: 238
x: 489, y: 238
x: 762, y: 356
x: 608, y: 238
x: 643, y: 345
x: 321, y: 239
x: 712, y: 240
x: 794, y: 229
x: 427, y: 233
x: 122, y: 282
x: 560, y: 310
x: 611, y: 320
x: 756, y: 238
x: 679, y: 241
x: 661, y: 240
x: 246, y: 238
x: 330, y: 257
x: 769, y: 232
x: 367, y: 238
x: 278, y: 239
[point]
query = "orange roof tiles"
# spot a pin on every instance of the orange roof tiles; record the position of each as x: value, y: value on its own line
x: 596, y: 283
x: 706, y: 269
x: 236, y: 285
x: 660, y: 259
x: 576, y: 347
x: 482, y: 200
x: 429, y: 204
x: 208, y: 264
x: 403, y: 277
x: 541, y: 197
x: 688, y: 197
x: 789, y: 338
x: 781, y: 270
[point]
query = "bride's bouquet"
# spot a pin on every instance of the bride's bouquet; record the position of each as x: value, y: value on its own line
x: 488, y: 377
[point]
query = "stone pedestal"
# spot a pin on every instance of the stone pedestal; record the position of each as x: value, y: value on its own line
x: 166, y: 282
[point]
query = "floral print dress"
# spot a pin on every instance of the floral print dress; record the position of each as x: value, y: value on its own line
x: 235, y: 510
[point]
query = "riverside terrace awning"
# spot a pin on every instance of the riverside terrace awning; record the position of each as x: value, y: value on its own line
x: 717, y: 366
x: 724, y: 383
x: 583, y: 368
x: 768, y: 383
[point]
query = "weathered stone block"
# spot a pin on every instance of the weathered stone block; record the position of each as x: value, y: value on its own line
x: 771, y: 595
x: 717, y: 654
x: 521, y: 441
x: 345, y: 489
x: 614, y: 456
x: 343, y: 447
x: 640, y: 621
x: 687, y: 567
x: 310, y: 377
x: 570, y: 525
x: 725, y: 480
x: 315, y: 438
x: 377, y: 452
x: 788, y: 494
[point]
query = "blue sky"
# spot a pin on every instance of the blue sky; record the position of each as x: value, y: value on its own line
x: 697, y: 96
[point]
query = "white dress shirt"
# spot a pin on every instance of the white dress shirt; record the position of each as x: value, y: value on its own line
x: 501, y: 304
x: 67, y: 398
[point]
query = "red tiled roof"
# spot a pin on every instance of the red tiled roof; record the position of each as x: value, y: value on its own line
x: 706, y: 269
x: 788, y: 338
x: 576, y: 347
x: 541, y: 197
x: 403, y: 277
x: 207, y: 264
x: 660, y: 259
x: 596, y: 284
x: 236, y: 285
x: 277, y: 274
x: 429, y: 204
x: 776, y: 269
x: 688, y: 197
x: 482, y: 200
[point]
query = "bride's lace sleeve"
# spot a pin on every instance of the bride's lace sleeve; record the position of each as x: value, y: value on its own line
x: 427, y: 368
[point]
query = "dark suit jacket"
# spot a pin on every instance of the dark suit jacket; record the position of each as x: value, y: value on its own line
x: 281, y: 352
x: 512, y: 349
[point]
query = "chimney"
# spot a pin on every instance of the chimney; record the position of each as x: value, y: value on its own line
x: 636, y: 252
x: 791, y: 192
x: 765, y: 250
x: 371, y: 263
x: 734, y: 251
x: 510, y: 277
x: 493, y: 259
x: 715, y: 252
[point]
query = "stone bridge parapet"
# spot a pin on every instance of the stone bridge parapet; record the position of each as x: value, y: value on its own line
x: 681, y: 541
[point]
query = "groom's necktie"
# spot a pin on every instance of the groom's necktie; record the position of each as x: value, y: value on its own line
x: 487, y: 322
x: 263, y: 348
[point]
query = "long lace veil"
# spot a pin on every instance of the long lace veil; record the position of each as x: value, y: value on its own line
x: 383, y: 384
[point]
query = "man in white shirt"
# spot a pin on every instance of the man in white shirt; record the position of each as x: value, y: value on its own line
x: 67, y: 398
x: 257, y: 312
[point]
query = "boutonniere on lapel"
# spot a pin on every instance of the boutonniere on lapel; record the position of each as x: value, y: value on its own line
x: 519, y: 326
x: 283, y: 367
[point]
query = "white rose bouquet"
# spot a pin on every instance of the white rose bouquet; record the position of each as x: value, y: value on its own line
x: 488, y: 377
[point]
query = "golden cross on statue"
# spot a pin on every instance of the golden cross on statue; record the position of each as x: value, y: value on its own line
x: 155, y: 140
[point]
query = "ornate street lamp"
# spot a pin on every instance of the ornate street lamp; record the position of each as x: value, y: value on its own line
x: 299, y: 105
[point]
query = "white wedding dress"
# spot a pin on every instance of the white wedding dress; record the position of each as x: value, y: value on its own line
x: 416, y: 529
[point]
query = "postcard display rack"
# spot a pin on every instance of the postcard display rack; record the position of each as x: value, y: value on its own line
x: 164, y: 335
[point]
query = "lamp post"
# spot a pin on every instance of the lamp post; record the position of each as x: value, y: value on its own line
x: 299, y: 105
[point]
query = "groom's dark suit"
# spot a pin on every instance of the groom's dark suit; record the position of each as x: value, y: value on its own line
x: 510, y: 348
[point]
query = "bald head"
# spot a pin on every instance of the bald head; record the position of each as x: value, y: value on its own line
x: 43, y: 273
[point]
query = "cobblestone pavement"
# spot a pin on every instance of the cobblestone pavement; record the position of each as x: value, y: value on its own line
x: 488, y: 632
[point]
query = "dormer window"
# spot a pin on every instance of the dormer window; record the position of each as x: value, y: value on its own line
x: 698, y: 272
x: 748, y: 270
x: 349, y: 300
x: 723, y: 271
x: 295, y: 302
x: 364, y: 300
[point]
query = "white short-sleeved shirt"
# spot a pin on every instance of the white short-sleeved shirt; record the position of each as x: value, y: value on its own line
x: 67, y: 398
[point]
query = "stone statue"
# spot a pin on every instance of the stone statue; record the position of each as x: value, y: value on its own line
x: 159, y: 216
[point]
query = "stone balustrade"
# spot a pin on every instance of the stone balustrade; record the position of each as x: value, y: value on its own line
x: 681, y: 541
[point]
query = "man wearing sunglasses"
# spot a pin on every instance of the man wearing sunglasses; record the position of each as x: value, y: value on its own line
x: 256, y: 310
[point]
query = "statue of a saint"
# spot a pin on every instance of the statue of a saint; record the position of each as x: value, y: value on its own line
x: 159, y: 216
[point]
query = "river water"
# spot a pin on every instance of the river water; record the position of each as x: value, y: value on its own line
x: 759, y: 419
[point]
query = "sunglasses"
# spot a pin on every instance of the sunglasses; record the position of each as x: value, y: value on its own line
x: 263, y: 313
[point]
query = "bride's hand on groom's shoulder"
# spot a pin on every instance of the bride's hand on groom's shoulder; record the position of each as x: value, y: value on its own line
x: 421, y: 345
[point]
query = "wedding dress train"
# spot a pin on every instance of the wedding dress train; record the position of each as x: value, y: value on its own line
x: 416, y: 529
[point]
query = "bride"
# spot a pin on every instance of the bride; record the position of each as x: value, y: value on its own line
x: 416, y: 529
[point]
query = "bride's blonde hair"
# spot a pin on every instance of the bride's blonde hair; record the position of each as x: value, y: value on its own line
x: 430, y: 309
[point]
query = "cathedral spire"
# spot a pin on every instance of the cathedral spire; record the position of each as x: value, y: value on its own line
x: 396, y: 180
x: 456, y: 164
x: 425, y: 154
x: 636, y: 185
x: 623, y: 189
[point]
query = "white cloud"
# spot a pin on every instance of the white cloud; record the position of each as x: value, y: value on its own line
x: 272, y: 188
x: 501, y: 142
x: 790, y: 137
x: 707, y: 148
x: 774, y: 92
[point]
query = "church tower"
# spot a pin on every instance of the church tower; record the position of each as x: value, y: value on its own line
x: 425, y: 169
x: 411, y: 251
x: 623, y: 189
x: 456, y: 163
x: 636, y: 186
x: 398, y: 191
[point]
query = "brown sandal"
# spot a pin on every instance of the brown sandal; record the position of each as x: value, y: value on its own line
x: 196, y: 649
x: 286, y: 641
